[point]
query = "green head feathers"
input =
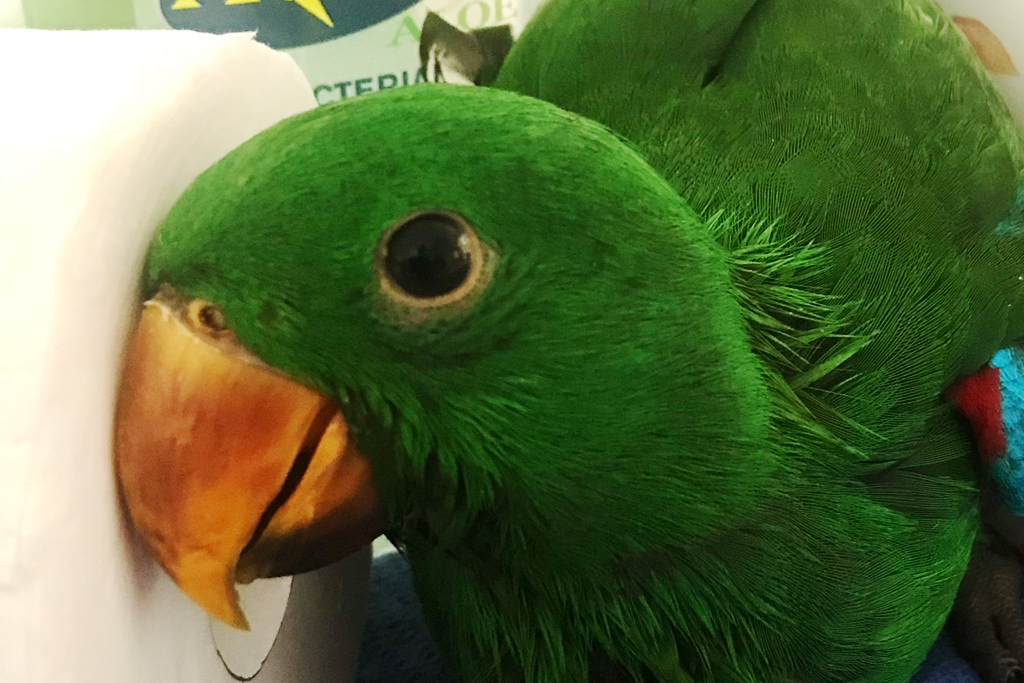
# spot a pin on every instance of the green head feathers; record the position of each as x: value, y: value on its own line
x: 596, y: 307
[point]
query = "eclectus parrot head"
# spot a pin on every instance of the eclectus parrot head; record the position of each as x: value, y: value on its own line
x: 458, y: 315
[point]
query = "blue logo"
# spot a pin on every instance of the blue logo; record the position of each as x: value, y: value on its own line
x: 282, y: 23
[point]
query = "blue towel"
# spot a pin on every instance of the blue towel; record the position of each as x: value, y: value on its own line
x: 396, y: 645
x: 397, y: 648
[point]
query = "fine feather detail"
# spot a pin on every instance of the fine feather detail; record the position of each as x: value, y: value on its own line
x: 800, y: 330
x: 695, y: 421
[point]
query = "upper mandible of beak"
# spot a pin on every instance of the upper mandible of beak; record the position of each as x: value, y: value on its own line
x: 231, y: 471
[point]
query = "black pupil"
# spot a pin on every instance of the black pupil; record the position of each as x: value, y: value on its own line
x: 426, y: 257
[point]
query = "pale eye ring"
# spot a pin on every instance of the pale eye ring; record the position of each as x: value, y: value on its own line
x: 430, y: 259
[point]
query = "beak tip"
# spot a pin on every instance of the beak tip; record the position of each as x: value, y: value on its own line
x: 240, y: 622
x: 228, y: 612
x: 215, y: 593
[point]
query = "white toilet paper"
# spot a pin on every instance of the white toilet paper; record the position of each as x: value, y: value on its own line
x: 99, y: 134
x: 11, y: 14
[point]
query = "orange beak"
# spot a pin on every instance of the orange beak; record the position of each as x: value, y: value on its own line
x: 231, y: 471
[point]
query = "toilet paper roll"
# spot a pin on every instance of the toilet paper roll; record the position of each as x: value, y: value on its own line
x: 11, y: 14
x: 100, y: 132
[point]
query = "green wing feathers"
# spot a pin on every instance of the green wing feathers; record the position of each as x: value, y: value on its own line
x: 865, y: 128
x: 856, y: 162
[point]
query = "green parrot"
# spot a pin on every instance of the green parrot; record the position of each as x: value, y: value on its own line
x: 639, y: 354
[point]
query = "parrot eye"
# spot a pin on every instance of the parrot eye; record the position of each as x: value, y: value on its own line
x: 428, y: 256
x: 430, y: 259
x: 206, y: 317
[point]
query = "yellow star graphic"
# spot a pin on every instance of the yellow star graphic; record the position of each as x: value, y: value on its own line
x: 316, y: 8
